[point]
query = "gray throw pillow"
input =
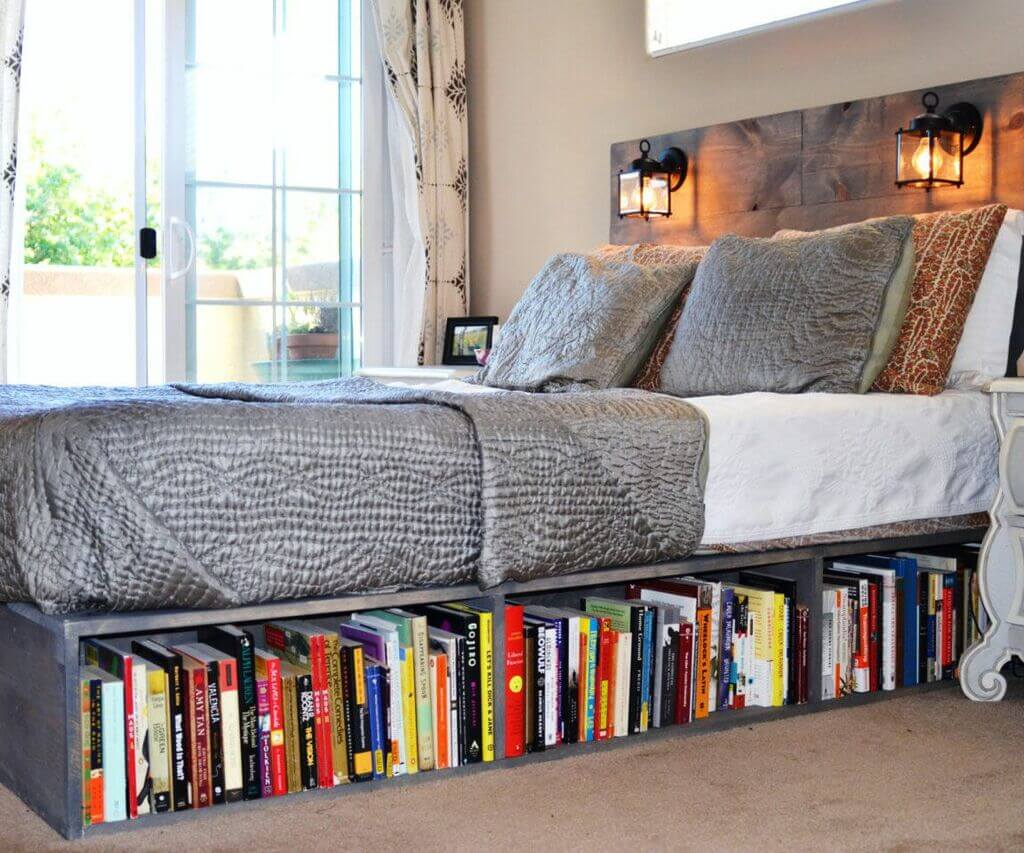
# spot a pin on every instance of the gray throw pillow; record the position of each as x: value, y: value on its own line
x: 788, y: 315
x: 584, y: 323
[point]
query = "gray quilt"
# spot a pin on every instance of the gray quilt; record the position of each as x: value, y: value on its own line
x: 212, y: 496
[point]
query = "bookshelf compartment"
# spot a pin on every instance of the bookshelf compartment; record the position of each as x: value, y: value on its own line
x: 38, y: 715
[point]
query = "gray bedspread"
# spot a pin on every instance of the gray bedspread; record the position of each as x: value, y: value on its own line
x: 211, y: 496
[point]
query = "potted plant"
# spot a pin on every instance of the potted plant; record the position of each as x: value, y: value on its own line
x: 312, y: 333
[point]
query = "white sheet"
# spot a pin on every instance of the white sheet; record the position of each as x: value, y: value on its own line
x: 796, y: 464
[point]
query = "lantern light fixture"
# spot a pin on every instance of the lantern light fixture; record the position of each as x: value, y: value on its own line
x: 646, y: 187
x: 930, y: 152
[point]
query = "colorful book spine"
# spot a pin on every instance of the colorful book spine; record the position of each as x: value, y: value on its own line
x: 375, y: 710
x: 336, y: 709
x: 306, y: 726
x: 778, y: 628
x: 266, y: 777
x: 357, y: 711
x: 603, y: 725
x: 290, y: 729
x: 703, y: 663
x: 684, y: 694
x: 487, y: 681
x: 268, y: 668
x: 515, y: 682
x: 725, y: 648
x: 408, y: 688
x: 440, y: 704
x: 92, y: 741
x: 948, y: 622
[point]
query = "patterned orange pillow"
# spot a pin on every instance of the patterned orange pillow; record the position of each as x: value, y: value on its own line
x: 951, y: 250
x: 653, y: 255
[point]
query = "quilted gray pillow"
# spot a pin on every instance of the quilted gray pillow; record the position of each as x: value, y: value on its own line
x: 791, y: 315
x: 584, y: 323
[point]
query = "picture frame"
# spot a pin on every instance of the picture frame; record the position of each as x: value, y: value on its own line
x: 463, y: 335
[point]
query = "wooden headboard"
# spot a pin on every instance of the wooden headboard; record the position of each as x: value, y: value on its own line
x: 824, y: 166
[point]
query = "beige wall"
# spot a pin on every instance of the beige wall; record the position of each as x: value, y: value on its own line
x: 552, y: 83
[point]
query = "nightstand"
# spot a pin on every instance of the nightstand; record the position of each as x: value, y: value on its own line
x: 417, y: 376
x: 1001, y: 562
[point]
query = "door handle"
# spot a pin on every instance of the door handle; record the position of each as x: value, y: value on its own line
x: 174, y: 223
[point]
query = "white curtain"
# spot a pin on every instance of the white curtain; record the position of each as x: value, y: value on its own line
x: 12, y: 18
x: 423, y: 47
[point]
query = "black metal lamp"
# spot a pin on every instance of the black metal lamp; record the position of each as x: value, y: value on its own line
x: 646, y: 187
x: 930, y: 152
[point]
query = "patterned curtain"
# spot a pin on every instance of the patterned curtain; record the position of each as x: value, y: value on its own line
x: 424, y: 52
x: 12, y: 16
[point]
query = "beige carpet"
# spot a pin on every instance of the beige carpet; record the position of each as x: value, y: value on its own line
x: 927, y: 770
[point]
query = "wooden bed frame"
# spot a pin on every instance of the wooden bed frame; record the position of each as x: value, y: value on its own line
x: 40, y: 715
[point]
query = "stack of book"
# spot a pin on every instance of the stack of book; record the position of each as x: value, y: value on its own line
x: 897, y: 620
x: 664, y: 653
x: 284, y: 707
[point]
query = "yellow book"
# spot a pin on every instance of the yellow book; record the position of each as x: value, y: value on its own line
x: 585, y: 688
x: 412, y: 764
x: 339, y: 750
x: 160, y: 758
x: 761, y: 603
x: 779, y: 644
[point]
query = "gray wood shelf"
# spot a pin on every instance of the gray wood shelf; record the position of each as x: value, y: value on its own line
x: 40, y: 757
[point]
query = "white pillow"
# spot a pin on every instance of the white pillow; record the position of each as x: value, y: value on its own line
x: 984, y: 346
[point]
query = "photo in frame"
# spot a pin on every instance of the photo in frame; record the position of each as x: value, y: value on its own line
x: 464, y: 336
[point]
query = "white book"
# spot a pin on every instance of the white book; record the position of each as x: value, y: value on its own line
x: 140, y: 714
x: 833, y: 604
x: 622, y: 682
x: 787, y: 662
x: 550, y: 686
x: 393, y: 650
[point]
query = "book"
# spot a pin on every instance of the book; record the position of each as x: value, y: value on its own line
x: 357, y: 710
x: 530, y: 690
x: 264, y: 730
x: 888, y: 618
x: 140, y: 753
x: 453, y: 647
x: 115, y: 658
x: 303, y: 644
x: 684, y: 691
x: 623, y: 664
x: 157, y: 744
x: 238, y: 644
x: 112, y: 742
x: 439, y: 707
x: 292, y: 736
x: 179, y: 745
x: 515, y: 682
x: 92, y: 747
x: 268, y: 669
x: 375, y: 690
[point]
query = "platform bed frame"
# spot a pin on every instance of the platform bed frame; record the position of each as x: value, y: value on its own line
x: 40, y: 714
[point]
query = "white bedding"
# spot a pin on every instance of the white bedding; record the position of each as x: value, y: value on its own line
x: 797, y: 464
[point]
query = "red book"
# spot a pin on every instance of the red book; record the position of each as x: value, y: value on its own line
x: 603, y: 723
x: 268, y: 666
x: 321, y: 712
x: 947, y: 626
x: 199, y: 734
x: 442, y: 700
x: 515, y: 682
x: 874, y: 638
x: 684, y: 683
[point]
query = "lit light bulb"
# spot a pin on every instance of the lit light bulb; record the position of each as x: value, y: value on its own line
x: 925, y: 161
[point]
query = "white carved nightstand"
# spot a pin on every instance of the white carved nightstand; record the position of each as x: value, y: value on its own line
x: 417, y: 376
x: 1001, y: 563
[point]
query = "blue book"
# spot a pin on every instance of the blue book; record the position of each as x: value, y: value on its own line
x: 645, y: 678
x: 375, y: 700
x: 725, y: 648
x: 115, y: 803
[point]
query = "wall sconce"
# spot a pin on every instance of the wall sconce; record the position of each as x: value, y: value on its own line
x: 646, y: 187
x: 930, y: 153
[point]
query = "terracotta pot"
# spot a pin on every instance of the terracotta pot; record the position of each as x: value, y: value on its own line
x: 312, y: 345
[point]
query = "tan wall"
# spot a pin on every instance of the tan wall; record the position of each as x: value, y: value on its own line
x: 552, y: 83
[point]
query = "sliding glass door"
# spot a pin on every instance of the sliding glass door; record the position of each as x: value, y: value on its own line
x: 265, y: 103
x: 234, y: 130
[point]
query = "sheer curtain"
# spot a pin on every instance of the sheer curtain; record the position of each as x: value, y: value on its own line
x: 12, y: 18
x: 423, y: 48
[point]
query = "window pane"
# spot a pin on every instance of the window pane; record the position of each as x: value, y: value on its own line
x: 233, y: 344
x: 230, y: 127
x: 234, y: 241
x: 311, y: 36
x: 317, y: 343
x: 321, y: 231
x: 232, y: 33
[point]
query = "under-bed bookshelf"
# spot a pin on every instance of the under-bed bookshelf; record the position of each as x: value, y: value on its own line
x: 40, y: 715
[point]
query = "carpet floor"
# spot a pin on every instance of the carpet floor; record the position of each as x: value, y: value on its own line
x: 927, y: 770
